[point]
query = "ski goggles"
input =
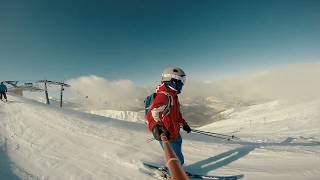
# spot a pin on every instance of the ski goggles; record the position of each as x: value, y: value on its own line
x: 173, y: 76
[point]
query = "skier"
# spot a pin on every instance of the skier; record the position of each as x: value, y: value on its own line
x: 3, y: 90
x: 165, y: 116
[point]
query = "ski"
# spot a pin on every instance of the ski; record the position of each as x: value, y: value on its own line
x: 214, y: 177
x: 164, y: 170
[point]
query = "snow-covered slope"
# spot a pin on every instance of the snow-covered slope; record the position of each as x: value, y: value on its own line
x: 44, y: 142
x: 121, y: 115
x: 48, y: 143
x: 272, y: 120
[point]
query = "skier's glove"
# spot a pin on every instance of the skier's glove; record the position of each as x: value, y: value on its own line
x: 158, y: 130
x: 187, y: 128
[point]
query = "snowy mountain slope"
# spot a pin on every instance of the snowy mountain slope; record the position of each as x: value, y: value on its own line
x: 121, y: 115
x: 44, y: 142
x: 273, y: 120
x: 52, y: 144
x: 283, y: 140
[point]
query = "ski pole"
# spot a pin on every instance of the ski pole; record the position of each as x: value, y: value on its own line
x: 150, y: 140
x: 218, y: 135
x: 215, y: 134
x: 211, y: 133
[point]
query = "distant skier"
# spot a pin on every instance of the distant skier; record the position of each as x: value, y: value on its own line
x: 164, y: 115
x: 3, y: 90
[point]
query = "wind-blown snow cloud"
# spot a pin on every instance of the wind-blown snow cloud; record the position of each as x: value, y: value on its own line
x: 294, y: 83
x: 101, y: 93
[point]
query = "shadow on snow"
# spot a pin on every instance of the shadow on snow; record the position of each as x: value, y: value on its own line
x: 6, y: 164
x: 223, y: 159
x: 220, y: 160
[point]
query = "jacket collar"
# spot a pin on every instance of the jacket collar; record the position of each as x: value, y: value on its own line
x: 163, y: 87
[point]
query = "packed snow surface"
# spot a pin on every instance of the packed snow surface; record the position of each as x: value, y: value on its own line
x: 37, y: 141
x: 121, y: 115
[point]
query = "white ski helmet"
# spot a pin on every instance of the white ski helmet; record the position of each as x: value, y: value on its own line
x: 173, y: 73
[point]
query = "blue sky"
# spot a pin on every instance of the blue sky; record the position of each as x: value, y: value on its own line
x: 136, y: 39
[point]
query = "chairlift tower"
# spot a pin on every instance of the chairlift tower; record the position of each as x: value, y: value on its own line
x: 45, y: 90
x: 61, y: 84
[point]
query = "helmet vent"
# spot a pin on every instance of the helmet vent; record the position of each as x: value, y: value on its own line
x: 175, y: 70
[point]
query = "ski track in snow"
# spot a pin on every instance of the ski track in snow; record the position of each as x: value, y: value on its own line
x: 44, y: 142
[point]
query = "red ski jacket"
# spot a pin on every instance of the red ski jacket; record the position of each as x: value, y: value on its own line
x: 170, y: 117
